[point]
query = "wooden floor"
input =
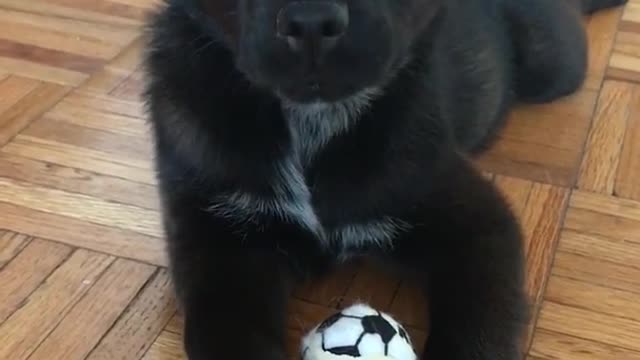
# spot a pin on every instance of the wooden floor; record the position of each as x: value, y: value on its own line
x: 81, y: 257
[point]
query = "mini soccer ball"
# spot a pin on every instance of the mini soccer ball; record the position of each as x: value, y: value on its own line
x: 358, y: 332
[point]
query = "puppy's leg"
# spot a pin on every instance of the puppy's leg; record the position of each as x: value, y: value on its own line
x: 233, y: 295
x: 550, y: 48
x: 467, y: 252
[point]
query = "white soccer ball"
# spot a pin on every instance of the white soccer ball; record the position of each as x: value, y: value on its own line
x: 358, y: 332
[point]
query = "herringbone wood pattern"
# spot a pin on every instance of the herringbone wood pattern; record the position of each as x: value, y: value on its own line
x: 82, y: 263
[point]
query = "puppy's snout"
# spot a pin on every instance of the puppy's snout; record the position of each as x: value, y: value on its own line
x: 312, y: 28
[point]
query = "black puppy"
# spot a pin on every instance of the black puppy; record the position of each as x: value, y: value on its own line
x: 295, y: 135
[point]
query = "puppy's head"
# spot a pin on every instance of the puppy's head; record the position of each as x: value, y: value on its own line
x: 319, y: 50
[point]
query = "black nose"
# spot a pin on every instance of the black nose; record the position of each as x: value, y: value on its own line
x: 312, y: 27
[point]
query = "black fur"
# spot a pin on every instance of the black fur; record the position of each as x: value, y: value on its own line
x: 215, y: 104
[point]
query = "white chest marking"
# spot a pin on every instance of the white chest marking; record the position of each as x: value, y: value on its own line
x: 312, y: 127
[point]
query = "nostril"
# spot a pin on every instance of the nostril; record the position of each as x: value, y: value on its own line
x: 312, y: 19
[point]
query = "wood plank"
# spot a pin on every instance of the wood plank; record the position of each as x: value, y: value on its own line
x: 32, y: 70
x: 531, y: 161
x: 14, y: 88
x: 175, y: 324
x: 625, y: 59
x: 84, y: 325
x: 600, y: 247
x: 30, y: 107
x: 10, y: 245
x: 304, y: 316
x: 138, y: 150
x: 555, y: 346
x: 627, y: 184
x: 78, y: 44
x: 543, y: 142
x: 516, y: 191
x: 541, y: 222
x: 138, y: 327
x: 594, y: 223
x: 119, y: 9
x: 21, y: 333
x: 373, y: 286
x: 330, y: 290
x: 131, y: 88
x: 83, y: 234
x: 168, y: 346
x: 81, y: 207
x: 604, y: 144
x: 145, y: 4
x: 410, y: 307
x: 94, y: 119
x: 601, y: 34
x: 597, y: 214
x: 606, y: 205
x: 590, y: 325
x: 622, y: 75
x: 68, y: 179
x: 81, y: 158
x: 109, y: 34
x: 597, y: 272
x: 108, y: 104
x: 116, y: 71
x: 49, y: 57
x: 596, y: 298
x: 47, y: 8
x: 24, y: 273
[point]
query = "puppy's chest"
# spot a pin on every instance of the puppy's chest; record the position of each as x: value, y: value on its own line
x: 290, y: 197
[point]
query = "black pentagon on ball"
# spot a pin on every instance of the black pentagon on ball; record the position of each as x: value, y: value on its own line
x: 330, y: 321
x: 345, y: 350
x: 403, y: 334
x: 376, y: 324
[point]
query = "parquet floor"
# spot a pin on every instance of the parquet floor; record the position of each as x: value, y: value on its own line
x: 81, y: 260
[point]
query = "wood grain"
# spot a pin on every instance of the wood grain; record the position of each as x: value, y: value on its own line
x: 21, y: 333
x: 168, y: 346
x: 10, y: 245
x: 373, y: 286
x: 78, y: 157
x: 328, y: 291
x: 596, y: 298
x: 13, y: 89
x: 138, y: 327
x: 541, y: 221
x: 598, y: 272
x: 516, y: 191
x: 79, y: 181
x: 84, y: 325
x: 601, y: 33
x: 304, y: 316
x: 576, y: 322
x: 410, y: 306
x: 624, y: 62
x: 604, y: 145
x: 76, y: 232
x: 543, y: 143
x: 24, y: 273
x: 557, y: 346
x: 627, y: 184
x: 30, y: 107
x: 79, y: 209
